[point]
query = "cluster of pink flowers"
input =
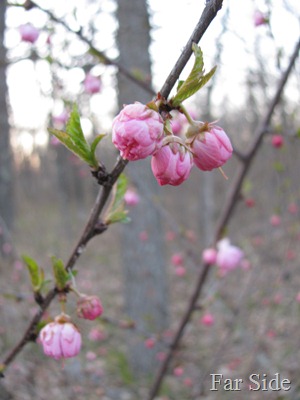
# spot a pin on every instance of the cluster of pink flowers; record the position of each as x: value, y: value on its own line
x: 227, y: 256
x: 139, y: 131
x: 61, y: 338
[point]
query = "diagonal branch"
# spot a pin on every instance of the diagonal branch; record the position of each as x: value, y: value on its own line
x: 225, y: 216
x: 99, y: 54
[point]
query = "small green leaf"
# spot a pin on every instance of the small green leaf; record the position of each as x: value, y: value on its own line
x: 35, y: 272
x: 116, y: 212
x: 298, y: 133
x: 75, y: 141
x: 118, y: 216
x: 278, y: 166
x: 60, y: 274
x: 195, y: 80
x: 94, y: 145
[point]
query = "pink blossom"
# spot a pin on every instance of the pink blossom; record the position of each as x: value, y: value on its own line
x: 259, y: 18
x: 177, y: 123
x: 207, y: 319
x: 29, y: 33
x: 143, y: 236
x: 250, y: 202
x: 187, y: 381
x: 171, y: 164
x: 180, y: 271
x: 298, y: 297
x: 89, y: 307
x: 277, y: 141
x: 170, y: 236
x: 92, y: 84
x: 211, y: 147
x: 229, y: 257
x: 275, y: 220
x: 293, y: 208
x: 177, y: 259
x: 149, y: 343
x: 96, y: 334
x: 209, y: 256
x: 131, y: 197
x: 137, y: 131
x: 178, y: 371
x: 61, y: 338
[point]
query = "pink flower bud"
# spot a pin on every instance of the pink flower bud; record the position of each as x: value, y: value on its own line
x: 277, y: 141
x: 178, y: 371
x: 259, y: 18
x: 89, y: 307
x: 275, y: 220
x: 180, y: 271
x: 209, y: 256
x: 229, y: 257
x: 29, y: 33
x: 137, y: 131
x: 61, y: 338
x: 177, y: 259
x: 207, y: 319
x: 131, y: 197
x: 171, y: 164
x: 211, y: 147
x: 92, y: 84
x: 149, y: 343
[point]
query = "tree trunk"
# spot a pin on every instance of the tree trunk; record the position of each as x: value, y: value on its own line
x: 145, y: 278
x: 6, y: 169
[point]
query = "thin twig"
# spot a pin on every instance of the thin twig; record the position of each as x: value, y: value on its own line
x: 98, y: 53
x: 226, y: 214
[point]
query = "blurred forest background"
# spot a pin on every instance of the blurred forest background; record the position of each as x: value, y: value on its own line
x: 46, y: 194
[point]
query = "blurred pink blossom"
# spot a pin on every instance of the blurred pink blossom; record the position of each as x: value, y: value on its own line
x: 229, y: 257
x: 259, y: 18
x: 92, y: 84
x: 177, y: 259
x: 209, y: 256
x: 275, y: 220
x: 131, y: 197
x: 29, y: 33
x: 207, y: 319
x: 277, y: 141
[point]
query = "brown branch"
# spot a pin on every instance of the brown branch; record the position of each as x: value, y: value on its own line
x: 226, y: 214
x: 209, y: 13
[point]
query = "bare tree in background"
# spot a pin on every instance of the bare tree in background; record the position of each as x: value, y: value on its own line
x: 143, y: 262
x: 6, y: 169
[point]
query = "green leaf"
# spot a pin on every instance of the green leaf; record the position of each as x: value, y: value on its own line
x: 75, y: 141
x: 298, y: 133
x: 94, y: 145
x: 195, y: 81
x: 35, y: 272
x: 118, y: 216
x: 278, y: 166
x: 116, y: 212
x: 60, y: 274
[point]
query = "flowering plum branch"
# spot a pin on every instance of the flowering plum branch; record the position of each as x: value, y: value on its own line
x: 61, y: 338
